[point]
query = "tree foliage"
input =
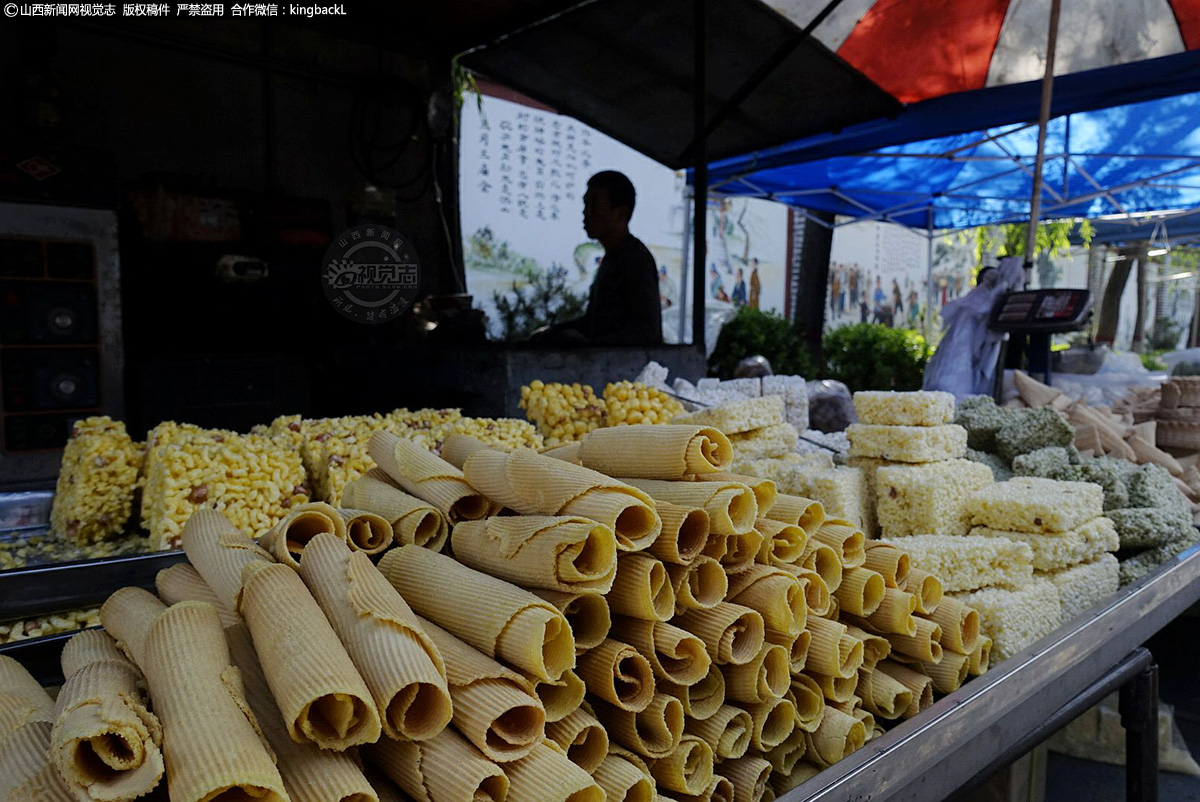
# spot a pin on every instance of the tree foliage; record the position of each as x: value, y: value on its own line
x: 543, y: 301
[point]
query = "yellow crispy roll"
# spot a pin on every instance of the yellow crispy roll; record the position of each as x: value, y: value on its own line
x: 749, y: 777
x: 623, y: 781
x: 861, y: 591
x: 587, y: 613
x: 838, y: 736
x: 784, y: 757
x: 922, y: 646
x: 92, y: 646
x: 446, y: 768
x: 211, y: 743
x: 546, y: 775
x: 287, y: 540
x: 366, y: 531
x: 716, y: 546
x: 774, y: 721
x: 676, y: 655
x: 310, y: 774
x: 688, y: 769
x: 802, y: 772
x: 563, y: 553
x: 320, y: 693
x: 980, y: 656
x: 684, y: 535
x: 782, y: 543
x: 816, y: 593
x: 567, y: 452
x: 642, y: 588
x: 895, y: 613
x: 845, y: 538
x: 727, y: 731
x: 888, y: 561
x: 653, y: 451
x: 776, y: 594
x: 765, y: 490
x: 105, y: 742
x: 883, y: 695
x: 560, y: 697
x: 382, y: 785
x: 582, y: 739
x: 127, y: 615
x: 949, y: 673
x: 927, y: 589
x: 182, y: 582
x: 809, y: 700
x: 699, y: 586
x: 700, y: 699
x: 427, y: 476
x: 763, y: 678
x: 653, y: 732
x: 836, y: 689
x: 719, y: 790
x: 732, y: 508
x: 497, y: 618
x: 495, y: 708
x: 387, y: 644
x: 797, y: 647
x: 741, y: 551
x: 875, y: 647
x: 22, y: 698
x: 731, y: 633
x: 797, y: 511
x: 413, y: 520
x: 959, y: 623
x: 919, y: 684
x: 531, y: 484
x: 26, y: 772
x: 219, y: 551
x: 457, y: 447
x: 833, y: 651
x: 619, y: 674
x: 824, y: 561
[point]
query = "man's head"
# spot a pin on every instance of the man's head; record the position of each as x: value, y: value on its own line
x: 608, y: 205
x: 739, y: 274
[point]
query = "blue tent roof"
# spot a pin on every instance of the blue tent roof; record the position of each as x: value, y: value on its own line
x: 970, y: 157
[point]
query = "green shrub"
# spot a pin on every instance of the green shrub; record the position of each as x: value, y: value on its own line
x: 1151, y: 361
x: 753, y: 332
x: 870, y: 356
x: 546, y: 299
x: 1186, y: 369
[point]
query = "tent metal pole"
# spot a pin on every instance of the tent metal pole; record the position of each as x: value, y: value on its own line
x: 1035, y: 202
x: 684, y: 259
x: 928, y: 324
x: 700, y: 174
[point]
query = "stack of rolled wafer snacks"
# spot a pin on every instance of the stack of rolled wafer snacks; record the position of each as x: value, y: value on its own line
x: 621, y: 620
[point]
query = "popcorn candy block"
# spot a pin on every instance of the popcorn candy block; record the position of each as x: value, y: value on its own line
x: 1032, y: 504
x: 736, y: 417
x: 1081, y: 586
x: 968, y: 562
x: 926, y: 499
x: 907, y: 443
x: 904, y: 409
x: 1056, y: 552
x: 1014, y: 619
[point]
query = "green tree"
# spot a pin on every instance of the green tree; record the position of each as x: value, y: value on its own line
x: 543, y: 301
x: 753, y: 332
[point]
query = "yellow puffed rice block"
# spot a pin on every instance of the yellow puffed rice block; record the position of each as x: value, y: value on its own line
x: 904, y: 409
x: 1061, y: 550
x: 764, y: 443
x: 1014, y: 619
x: 736, y: 417
x: 907, y: 443
x: 967, y: 562
x: 94, y: 495
x: 1032, y: 504
x: 1081, y: 586
x: 927, y: 499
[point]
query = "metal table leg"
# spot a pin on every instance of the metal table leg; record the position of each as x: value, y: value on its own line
x: 1139, y: 717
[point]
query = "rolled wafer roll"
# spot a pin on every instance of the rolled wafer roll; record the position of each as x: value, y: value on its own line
x: 127, y: 615
x: 619, y: 674
x: 26, y: 771
x: 582, y: 738
x: 895, y: 613
x: 833, y: 650
x: 797, y: 647
x: 732, y: 508
x: 427, y: 476
x: 366, y: 531
x: 495, y: 708
x: 816, y: 593
x: 845, y: 538
x: 675, y: 654
x: 883, y: 695
x: 765, y: 490
x: 806, y: 695
x: 959, y: 623
x: 774, y: 721
x: 652, y: 451
x: 219, y: 551
x: 741, y: 551
x: 797, y: 511
x: 716, y: 546
x: 587, y: 613
x: 684, y: 533
x: 652, y: 733
x: 838, y: 736
x: 92, y: 646
x: 699, y: 586
x: 749, y: 776
x: 446, y: 768
x: 105, y: 743
x: 927, y: 589
x: 498, y: 618
x: 875, y: 647
x: 784, y: 756
x: 888, y: 561
x: 385, y: 641
x: 726, y: 731
x: 825, y: 561
x: 567, y: 452
x: 287, y: 539
x: 182, y: 582
x: 765, y: 677
x: 782, y: 543
x: 923, y: 646
x: 321, y: 694
x: 980, y: 656
x: 22, y: 698
x: 532, y: 484
x: 920, y: 685
x: 802, y: 772
x: 413, y: 520
x: 836, y: 689
x: 719, y: 790
x: 457, y: 447
x: 731, y: 633
x: 775, y: 593
x: 563, y: 553
x: 382, y: 785
x: 560, y: 696
x: 700, y: 699
x: 546, y: 775
x: 688, y: 769
x: 949, y: 673
x: 642, y: 588
x: 861, y: 591
x: 623, y: 781
x: 310, y: 774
